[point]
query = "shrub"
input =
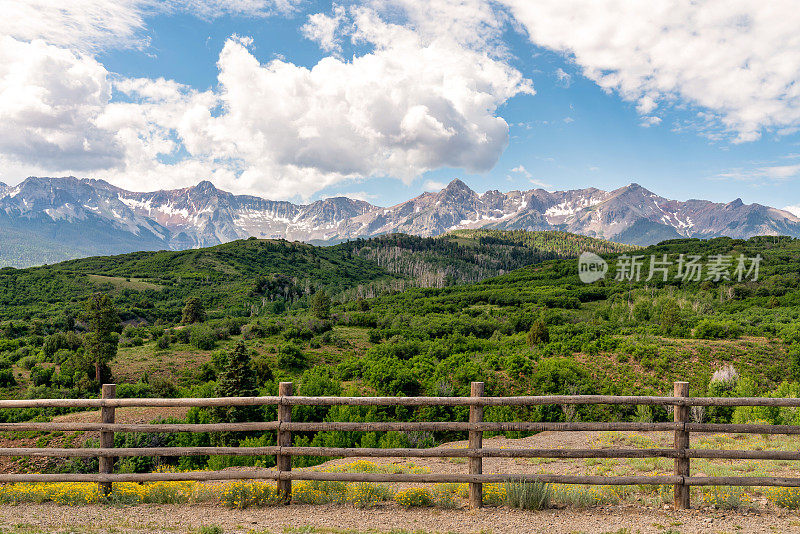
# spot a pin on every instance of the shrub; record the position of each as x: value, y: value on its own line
x: 538, y: 334
x: 69, y: 493
x: 153, y: 493
x: 413, y: 497
x: 163, y: 342
x: 279, y: 307
x: 203, y: 338
x: 250, y: 331
x: 786, y: 497
x: 723, y: 384
x: 528, y: 495
x: 42, y: 376
x: 7, y: 378
x: 494, y: 494
x: 319, y: 492
x: 725, y: 497
x: 374, y: 336
x: 708, y: 329
x: 291, y: 358
x: 794, y: 362
x: 243, y: 494
x: 263, y: 370
x: 790, y: 334
x: 27, y: 362
x: 367, y: 494
x: 182, y: 334
x: 444, y: 495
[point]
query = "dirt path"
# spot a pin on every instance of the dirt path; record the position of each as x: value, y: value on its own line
x: 337, y: 518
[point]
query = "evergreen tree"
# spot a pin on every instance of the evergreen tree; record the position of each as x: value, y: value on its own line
x: 102, y: 320
x: 538, y: 334
x: 321, y: 305
x: 193, y: 311
x: 237, y: 378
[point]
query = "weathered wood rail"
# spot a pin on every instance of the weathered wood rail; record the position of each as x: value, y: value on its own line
x: 681, y: 452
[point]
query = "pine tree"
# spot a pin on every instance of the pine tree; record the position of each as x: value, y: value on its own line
x: 237, y: 379
x: 538, y: 334
x: 321, y: 305
x: 101, y: 342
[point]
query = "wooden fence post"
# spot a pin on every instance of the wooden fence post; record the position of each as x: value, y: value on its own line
x: 107, y: 438
x: 284, y: 461
x: 681, y: 389
x: 476, y: 442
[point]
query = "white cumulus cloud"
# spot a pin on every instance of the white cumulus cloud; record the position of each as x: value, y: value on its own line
x: 432, y: 186
x: 738, y: 59
x: 49, y: 101
x: 324, y: 28
x: 522, y: 170
x: 96, y: 24
x: 408, y: 106
x: 794, y: 210
x: 419, y: 99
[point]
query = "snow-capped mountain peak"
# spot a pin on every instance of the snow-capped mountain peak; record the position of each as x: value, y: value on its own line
x: 203, y: 215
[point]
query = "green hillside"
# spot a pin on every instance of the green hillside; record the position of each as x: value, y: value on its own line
x: 534, y: 330
x: 472, y: 255
x: 241, y: 277
x: 231, y: 279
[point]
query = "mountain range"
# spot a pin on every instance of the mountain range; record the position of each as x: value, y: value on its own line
x: 45, y: 220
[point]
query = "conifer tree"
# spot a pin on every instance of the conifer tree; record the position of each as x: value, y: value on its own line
x: 237, y: 379
x: 101, y: 342
x: 538, y: 334
x: 321, y: 305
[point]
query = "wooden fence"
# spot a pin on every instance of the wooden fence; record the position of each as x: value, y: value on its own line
x: 283, y: 450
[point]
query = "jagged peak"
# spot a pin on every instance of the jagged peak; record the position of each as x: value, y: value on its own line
x: 343, y: 202
x: 631, y: 189
x: 204, y: 186
x: 457, y: 186
x: 633, y: 186
x: 735, y: 203
x: 48, y: 180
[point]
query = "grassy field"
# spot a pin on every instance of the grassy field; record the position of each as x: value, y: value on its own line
x: 124, y: 283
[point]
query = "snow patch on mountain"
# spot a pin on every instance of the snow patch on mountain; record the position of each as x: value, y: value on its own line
x: 204, y: 215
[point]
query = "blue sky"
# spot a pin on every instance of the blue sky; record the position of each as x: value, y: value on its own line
x: 598, y: 118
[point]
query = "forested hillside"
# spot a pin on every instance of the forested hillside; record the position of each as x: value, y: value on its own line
x: 472, y: 255
x: 297, y: 312
x: 233, y: 279
x: 241, y: 277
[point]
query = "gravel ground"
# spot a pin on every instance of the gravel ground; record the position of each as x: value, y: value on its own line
x: 635, y: 517
x: 173, y: 518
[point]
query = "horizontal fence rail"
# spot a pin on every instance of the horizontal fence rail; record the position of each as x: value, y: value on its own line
x: 208, y: 402
x: 681, y: 452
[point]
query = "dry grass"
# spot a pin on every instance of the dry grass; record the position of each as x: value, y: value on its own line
x: 124, y: 283
x: 132, y: 363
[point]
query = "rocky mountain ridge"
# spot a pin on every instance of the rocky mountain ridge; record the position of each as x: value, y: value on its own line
x: 51, y: 219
